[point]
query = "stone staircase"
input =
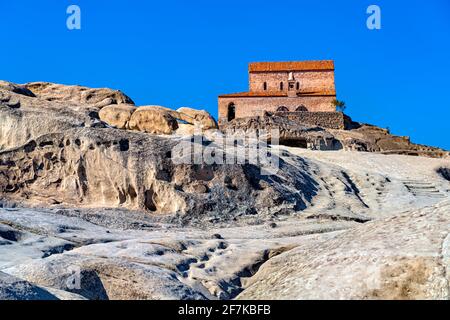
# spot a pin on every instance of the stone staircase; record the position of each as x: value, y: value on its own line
x: 423, y: 189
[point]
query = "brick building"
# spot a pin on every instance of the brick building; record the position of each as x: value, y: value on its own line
x: 303, y: 86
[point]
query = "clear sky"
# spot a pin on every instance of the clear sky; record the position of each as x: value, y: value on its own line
x: 186, y: 53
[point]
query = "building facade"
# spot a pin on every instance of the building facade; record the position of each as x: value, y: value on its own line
x: 302, y: 86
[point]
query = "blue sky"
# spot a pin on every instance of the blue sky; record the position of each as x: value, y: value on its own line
x: 186, y: 53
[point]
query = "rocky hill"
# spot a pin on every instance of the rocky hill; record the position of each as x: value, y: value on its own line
x: 91, y: 187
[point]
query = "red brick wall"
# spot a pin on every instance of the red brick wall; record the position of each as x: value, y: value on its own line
x: 255, y: 106
x: 309, y: 80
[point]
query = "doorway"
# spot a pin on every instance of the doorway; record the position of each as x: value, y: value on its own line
x: 231, y: 112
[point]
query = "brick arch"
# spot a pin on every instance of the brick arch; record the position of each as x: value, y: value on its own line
x: 282, y: 109
x: 301, y: 108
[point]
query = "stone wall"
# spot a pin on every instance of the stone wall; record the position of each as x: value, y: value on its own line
x: 255, y: 106
x: 308, y: 80
x: 331, y: 120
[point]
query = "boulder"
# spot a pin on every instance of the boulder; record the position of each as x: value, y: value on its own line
x: 153, y: 119
x: 117, y: 115
x: 201, y: 117
x: 180, y: 117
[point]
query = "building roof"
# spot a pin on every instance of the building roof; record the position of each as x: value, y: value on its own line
x: 291, y: 66
x: 255, y: 94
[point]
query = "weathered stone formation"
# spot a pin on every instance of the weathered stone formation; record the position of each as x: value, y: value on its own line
x: 12, y: 288
x: 350, y: 136
x: 56, y: 151
x: 369, y: 138
x: 282, y: 86
x: 290, y: 133
x: 157, y: 119
x: 77, y: 94
x: 403, y: 257
x: 107, y: 205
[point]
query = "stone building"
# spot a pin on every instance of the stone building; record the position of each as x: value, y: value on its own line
x: 304, y: 89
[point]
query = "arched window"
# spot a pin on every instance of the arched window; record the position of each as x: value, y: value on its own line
x: 298, y: 86
x: 282, y: 109
x: 265, y: 86
x: 301, y: 108
x: 231, y: 112
x: 281, y: 86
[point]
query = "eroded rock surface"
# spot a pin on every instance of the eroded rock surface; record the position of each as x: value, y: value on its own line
x: 77, y: 94
x: 127, y: 215
x: 12, y: 288
x: 289, y: 132
x: 114, y: 168
x: 201, y: 117
x: 356, y: 136
x: 154, y: 120
x: 403, y: 257
x: 117, y: 115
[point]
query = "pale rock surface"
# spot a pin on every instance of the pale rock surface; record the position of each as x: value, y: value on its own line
x: 402, y: 257
x: 12, y: 288
x: 88, y: 167
x: 201, y: 117
x: 153, y: 120
x: 77, y: 94
x: 16, y: 88
x: 289, y: 132
x: 180, y: 117
x: 50, y: 108
x: 356, y: 136
x: 117, y: 115
x: 185, y: 129
x: 139, y: 224
x: 145, y: 260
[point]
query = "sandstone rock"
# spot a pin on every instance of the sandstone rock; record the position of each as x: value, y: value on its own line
x: 16, y: 88
x: 23, y: 118
x: 357, y: 137
x: 113, y: 279
x: 185, y: 129
x: 57, y: 156
x: 154, y: 120
x: 180, y: 117
x: 289, y: 132
x: 12, y: 288
x: 20, y: 125
x: 202, y: 117
x: 402, y: 257
x: 117, y: 115
x: 123, y: 255
x: 118, y: 168
x: 77, y: 94
x: 369, y: 138
x: 137, y: 221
